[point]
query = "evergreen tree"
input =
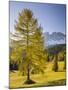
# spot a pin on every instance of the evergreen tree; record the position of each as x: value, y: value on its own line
x: 55, y: 63
x: 64, y: 60
x: 30, y: 43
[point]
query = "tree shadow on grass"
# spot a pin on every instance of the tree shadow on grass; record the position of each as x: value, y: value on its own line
x: 29, y: 82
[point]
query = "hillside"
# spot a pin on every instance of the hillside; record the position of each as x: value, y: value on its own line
x: 53, y: 49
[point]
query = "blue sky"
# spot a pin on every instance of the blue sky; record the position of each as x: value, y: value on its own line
x: 50, y: 16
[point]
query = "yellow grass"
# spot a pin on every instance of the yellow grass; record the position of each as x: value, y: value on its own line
x: 17, y: 81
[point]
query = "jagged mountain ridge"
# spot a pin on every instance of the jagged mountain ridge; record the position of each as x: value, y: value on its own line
x: 54, y: 38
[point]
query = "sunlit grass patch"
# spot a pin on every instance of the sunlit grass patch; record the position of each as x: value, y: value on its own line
x: 47, y: 79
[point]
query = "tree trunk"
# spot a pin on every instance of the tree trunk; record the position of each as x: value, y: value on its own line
x: 28, y: 73
x: 28, y: 81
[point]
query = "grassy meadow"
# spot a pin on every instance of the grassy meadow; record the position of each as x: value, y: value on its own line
x: 49, y: 78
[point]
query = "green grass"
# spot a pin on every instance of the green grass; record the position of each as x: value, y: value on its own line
x: 49, y: 78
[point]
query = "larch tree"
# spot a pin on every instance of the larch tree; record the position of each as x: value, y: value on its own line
x: 30, y: 38
x: 55, y: 63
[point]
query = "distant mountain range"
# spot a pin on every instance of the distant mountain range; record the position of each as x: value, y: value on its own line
x: 54, y: 38
x: 51, y: 39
